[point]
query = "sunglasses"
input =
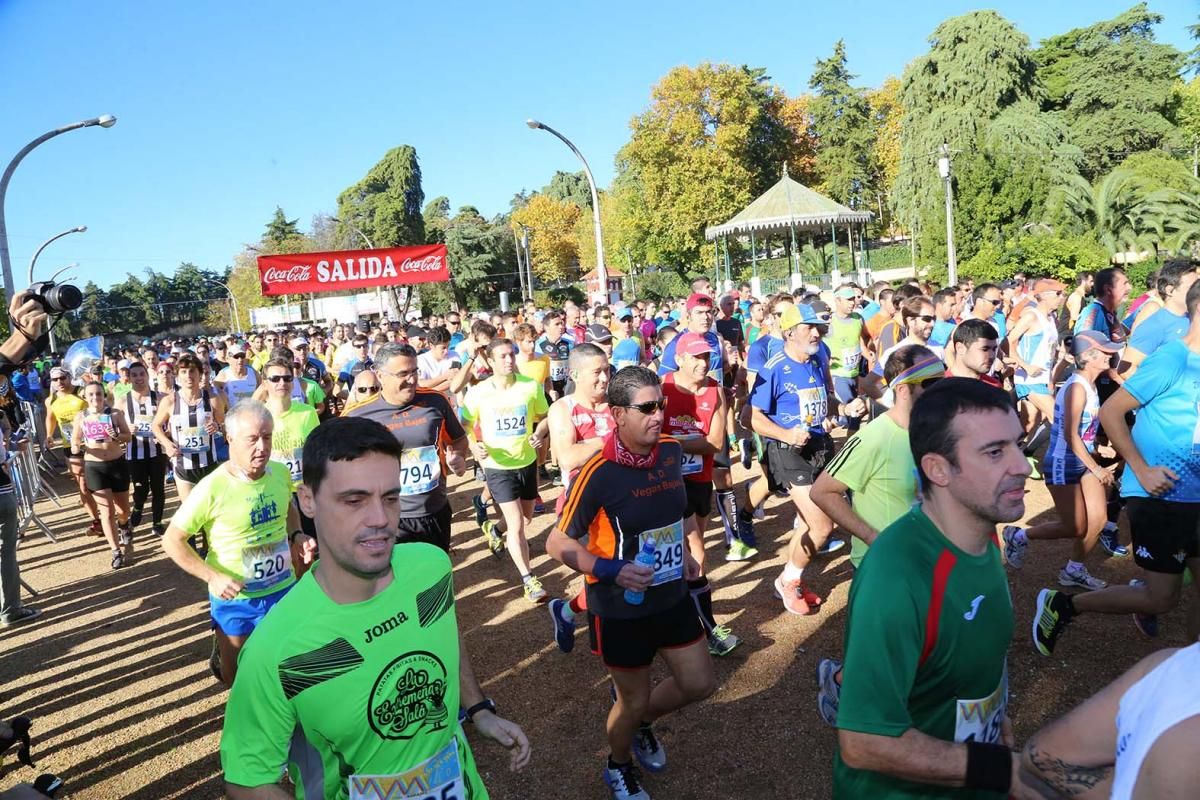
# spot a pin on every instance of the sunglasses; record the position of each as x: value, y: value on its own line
x: 994, y: 302
x: 649, y: 407
x: 606, y: 317
x: 926, y: 318
x: 237, y: 355
x: 280, y: 378
x: 365, y: 389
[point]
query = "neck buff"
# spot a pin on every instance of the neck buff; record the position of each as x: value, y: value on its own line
x: 615, y: 451
x: 923, y: 370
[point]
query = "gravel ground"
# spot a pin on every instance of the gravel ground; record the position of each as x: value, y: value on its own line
x: 115, y: 674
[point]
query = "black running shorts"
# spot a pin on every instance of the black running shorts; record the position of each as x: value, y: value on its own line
x: 112, y: 475
x: 507, y: 485
x: 432, y: 529
x: 1165, y: 534
x: 194, y: 476
x: 798, y: 466
x: 699, y: 498
x: 633, y: 643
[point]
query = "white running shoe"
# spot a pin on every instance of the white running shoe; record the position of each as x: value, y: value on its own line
x: 1081, y: 578
x: 1015, y: 544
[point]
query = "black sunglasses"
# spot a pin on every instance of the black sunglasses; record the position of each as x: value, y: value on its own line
x: 994, y: 302
x: 280, y: 378
x: 365, y: 389
x: 926, y: 318
x: 649, y: 407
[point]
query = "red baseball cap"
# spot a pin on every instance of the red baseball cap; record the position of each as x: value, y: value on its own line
x: 698, y: 299
x: 693, y: 344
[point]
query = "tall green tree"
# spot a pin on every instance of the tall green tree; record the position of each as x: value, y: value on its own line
x: 437, y: 218
x: 1115, y: 86
x: 570, y: 186
x: 280, y: 229
x: 841, y: 119
x: 386, y: 203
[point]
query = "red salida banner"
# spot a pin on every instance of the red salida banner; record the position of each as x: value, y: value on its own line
x: 301, y: 273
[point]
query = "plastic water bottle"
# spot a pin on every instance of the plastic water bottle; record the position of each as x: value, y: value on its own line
x: 645, y: 557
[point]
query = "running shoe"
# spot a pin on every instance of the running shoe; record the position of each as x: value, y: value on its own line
x: 95, y: 528
x: 792, y: 593
x: 125, y: 535
x: 158, y: 530
x: 1015, y: 544
x: 564, y: 632
x: 647, y: 749
x: 1081, y: 578
x: 539, y: 505
x: 480, y: 509
x: 534, y: 592
x: 745, y: 528
x: 722, y: 641
x: 624, y: 782
x: 543, y: 473
x: 1111, y: 542
x: 740, y: 551
x: 118, y: 559
x: 747, y: 453
x: 1146, y: 623
x: 21, y: 615
x: 495, y: 541
x: 759, y: 512
x: 831, y: 546
x: 1049, y: 619
x: 829, y: 691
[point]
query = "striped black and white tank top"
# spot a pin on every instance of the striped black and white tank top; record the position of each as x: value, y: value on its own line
x: 196, y: 446
x: 139, y: 415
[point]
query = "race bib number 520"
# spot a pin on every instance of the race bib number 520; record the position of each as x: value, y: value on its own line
x: 439, y: 778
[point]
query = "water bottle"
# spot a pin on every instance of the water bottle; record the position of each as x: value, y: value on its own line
x: 646, y: 557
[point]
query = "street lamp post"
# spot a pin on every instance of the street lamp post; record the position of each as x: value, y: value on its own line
x: 951, y: 256
x: 38, y: 252
x: 234, y: 313
x: 105, y: 121
x: 601, y: 272
x: 378, y: 290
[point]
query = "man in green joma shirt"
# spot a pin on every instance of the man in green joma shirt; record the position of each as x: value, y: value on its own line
x: 355, y: 679
x: 924, y: 698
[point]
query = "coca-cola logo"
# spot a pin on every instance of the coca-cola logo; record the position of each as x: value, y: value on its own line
x: 292, y: 274
x: 426, y: 264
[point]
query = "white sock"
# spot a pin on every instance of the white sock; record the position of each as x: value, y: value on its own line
x: 1020, y: 536
x: 1074, y: 566
x: 791, y: 572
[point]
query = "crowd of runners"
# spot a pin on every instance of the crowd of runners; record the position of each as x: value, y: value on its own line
x: 903, y: 423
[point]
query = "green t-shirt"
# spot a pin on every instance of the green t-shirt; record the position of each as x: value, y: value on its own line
x: 877, y: 467
x: 246, y: 523
x: 371, y: 688
x: 845, y: 345
x: 503, y: 419
x: 119, y: 390
x: 292, y: 428
x: 927, y: 635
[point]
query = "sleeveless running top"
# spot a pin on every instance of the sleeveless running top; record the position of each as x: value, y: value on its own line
x: 691, y: 414
x: 1159, y: 701
x: 196, y: 447
x: 139, y: 415
x: 1089, y: 419
x: 588, y: 424
x: 238, y: 388
x: 1038, y: 347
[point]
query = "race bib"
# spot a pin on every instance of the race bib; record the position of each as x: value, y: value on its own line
x: 68, y: 429
x: 294, y: 461
x: 438, y: 778
x: 558, y: 370
x: 98, y: 430
x: 979, y: 720
x: 691, y: 463
x: 814, y: 406
x: 420, y: 470
x: 509, y: 423
x: 141, y: 426
x: 850, y: 358
x: 668, y: 552
x: 193, y: 440
x: 266, y: 565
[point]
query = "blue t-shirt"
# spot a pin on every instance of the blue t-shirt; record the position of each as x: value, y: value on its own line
x: 1167, y: 429
x: 628, y: 353
x: 792, y: 393
x: 762, y: 350
x: 456, y: 338
x: 1159, y: 328
x: 667, y: 363
x: 942, y: 330
x: 869, y: 310
x: 1096, y: 317
x: 1001, y: 324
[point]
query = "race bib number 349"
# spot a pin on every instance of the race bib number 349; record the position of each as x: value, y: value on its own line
x: 668, y: 552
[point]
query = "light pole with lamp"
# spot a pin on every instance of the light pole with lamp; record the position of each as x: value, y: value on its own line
x: 234, y: 314
x: 33, y: 262
x: 105, y: 121
x: 601, y: 272
x: 951, y: 256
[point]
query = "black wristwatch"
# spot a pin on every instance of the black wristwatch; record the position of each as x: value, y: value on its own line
x: 486, y: 704
x: 292, y: 536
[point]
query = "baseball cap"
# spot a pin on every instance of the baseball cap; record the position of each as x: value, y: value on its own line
x: 693, y: 344
x: 821, y: 309
x: 625, y: 313
x: 58, y: 372
x: 123, y: 363
x: 1086, y: 340
x: 799, y: 314
x: 846, y: 291
x: 598, y: 333
x: 1048, y: 285
x: 698, y: 299
x: 299, y: 341
x: 415, y: 332
x: 237, y: 349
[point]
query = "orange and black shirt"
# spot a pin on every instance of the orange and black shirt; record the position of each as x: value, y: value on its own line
x: 615, y: 508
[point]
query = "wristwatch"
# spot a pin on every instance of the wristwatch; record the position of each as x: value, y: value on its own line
x: 486, y: 704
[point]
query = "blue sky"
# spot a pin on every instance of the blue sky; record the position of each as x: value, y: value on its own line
x: 228, y: 109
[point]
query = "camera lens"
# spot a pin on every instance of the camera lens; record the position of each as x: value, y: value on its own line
x: 58, y: 298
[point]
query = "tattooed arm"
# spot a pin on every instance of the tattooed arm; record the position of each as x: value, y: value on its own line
x: 1073, y: 756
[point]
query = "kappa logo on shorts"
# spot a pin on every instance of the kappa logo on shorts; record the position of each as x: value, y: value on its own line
x: 1142, y: 552
x: 409, y: 697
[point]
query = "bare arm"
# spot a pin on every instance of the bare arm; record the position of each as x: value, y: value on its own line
x: 159, y: 425
x: 1072, y: 410
x: 830, y: 496
x: 174, y: 542
x: 764, y: 427
x: 570, y: 452
x: 912, y: 756
x: 714, y: 441
x: 1112, y: 417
